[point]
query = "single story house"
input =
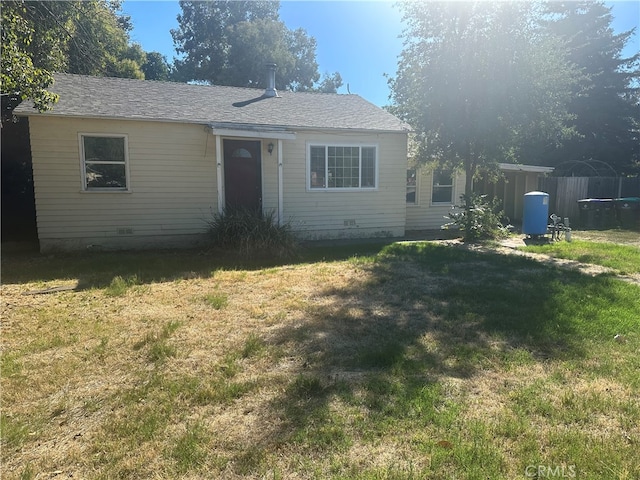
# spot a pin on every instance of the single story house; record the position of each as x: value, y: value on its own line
x: 121, y: 163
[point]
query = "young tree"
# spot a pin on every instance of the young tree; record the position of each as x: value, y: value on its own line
x: 477, y: 81
x: 606, y: 102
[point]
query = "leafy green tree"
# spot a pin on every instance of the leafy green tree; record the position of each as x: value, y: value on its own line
x: 330, y: 83
x: 229, y: 42
x: 99, y: 42
x: 21, y: 78
x: 606, y: 101
x: 156, y: 67
x: 478, y: 81
x: 204, y: 30
x: 253, y: 43
x: 86, y: 37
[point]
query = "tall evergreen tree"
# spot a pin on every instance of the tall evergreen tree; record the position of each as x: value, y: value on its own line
x: 606, y: 101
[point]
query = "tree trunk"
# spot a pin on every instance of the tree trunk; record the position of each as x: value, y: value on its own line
x: 470, y: 165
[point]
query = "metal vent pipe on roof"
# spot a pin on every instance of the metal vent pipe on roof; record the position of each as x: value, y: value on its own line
x: 271, y: 81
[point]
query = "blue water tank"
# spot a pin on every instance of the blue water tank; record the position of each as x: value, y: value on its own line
x: 535, y: 216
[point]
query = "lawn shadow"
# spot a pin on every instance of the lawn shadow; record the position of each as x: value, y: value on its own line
x: 99, y: 269
x: 422, y: 315
x: 383, y: 346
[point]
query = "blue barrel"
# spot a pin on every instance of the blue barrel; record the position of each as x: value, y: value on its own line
x: 535, y: 216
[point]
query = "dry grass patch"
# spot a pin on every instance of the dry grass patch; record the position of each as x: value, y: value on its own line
x: 621, y: 237
x: 402, y: 365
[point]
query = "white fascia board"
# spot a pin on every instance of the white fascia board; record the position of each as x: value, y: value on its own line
x: 359, y: 131
x: 513, y: 167
x: 270, y: 134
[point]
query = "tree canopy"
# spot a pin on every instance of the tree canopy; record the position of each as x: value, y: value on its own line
x: 605, y: 103
x: 479, y: 81
x: 156, y: 67
x: 89, y: 37
x: 21, y: 78
x: 229, y: 42
x: 222, y: 42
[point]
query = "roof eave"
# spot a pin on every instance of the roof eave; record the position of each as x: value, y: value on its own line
x: 513, y: 167
x: 223, y: 128
x: 350, y: 130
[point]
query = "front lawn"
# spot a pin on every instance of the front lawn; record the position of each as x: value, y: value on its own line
x: 401, y: 361
x: 625, y: 259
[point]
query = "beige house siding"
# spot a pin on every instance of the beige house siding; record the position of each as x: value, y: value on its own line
x: 424, y: 215
x: 172, y: 173
x: 325, y: 214
x: 270, y: 178
x: 173, y: 186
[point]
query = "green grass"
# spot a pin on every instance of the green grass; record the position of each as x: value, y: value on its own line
x: 390, y: 361
x: 119, y: 285
x: 189, y: 451
x: 625, y: 259
x: 156, y: 343
x: 216, y: 300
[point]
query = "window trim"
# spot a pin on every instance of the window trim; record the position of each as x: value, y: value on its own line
x: 452, y: 186
x: 326, y: 145
x: 416, y: 203
x: 83, y: 165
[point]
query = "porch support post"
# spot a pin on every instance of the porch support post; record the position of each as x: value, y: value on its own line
x: 219, y: 174
x: 280, y: 185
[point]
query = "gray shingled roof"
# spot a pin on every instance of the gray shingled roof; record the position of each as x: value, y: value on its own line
x: 119, y: 98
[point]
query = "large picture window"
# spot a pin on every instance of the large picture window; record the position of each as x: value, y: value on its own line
x: 104, y: 162
x: 342, y: 167
x: 442, y: 187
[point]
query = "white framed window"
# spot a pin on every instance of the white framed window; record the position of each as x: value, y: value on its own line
x: 412, y: 186
x: 342, y: 167
x: 442, y: 191
x: 105, y: 162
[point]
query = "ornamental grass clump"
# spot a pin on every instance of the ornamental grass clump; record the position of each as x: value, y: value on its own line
x: 252, y: 234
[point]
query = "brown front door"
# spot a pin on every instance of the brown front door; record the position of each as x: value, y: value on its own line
x: 242, y: 175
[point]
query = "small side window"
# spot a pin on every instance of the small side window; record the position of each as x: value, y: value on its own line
x: 104, y: 162
x: 442, y: 187
x: 412, y: 185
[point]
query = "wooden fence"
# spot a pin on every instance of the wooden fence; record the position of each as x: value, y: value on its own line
x: 564, y: 192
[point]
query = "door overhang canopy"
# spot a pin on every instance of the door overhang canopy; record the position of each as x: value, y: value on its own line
x: 251, y: 131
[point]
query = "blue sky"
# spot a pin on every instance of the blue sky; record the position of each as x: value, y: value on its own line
x: 359, y: 39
